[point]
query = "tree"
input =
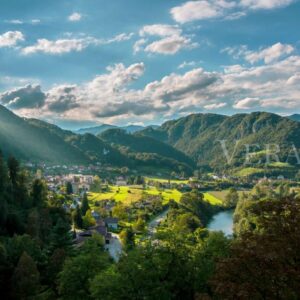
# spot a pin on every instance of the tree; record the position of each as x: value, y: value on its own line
x: 127, y: 238
x: 264, y: 262
x: 77, y: 218
x: 84, y: 204
x: 69, y: 188
x: 26, y: 278
x: 139, y: 225
x: 3, y: 194
x: 61, y: 236
x: 38, y: 193
x: 231, y: 199
x: 74, y: 280
x: 88, y: 220
x: 13, y: 170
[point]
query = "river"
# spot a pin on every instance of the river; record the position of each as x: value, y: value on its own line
x: 222, y: 221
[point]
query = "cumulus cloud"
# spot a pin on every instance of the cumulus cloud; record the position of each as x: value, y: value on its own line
x: 265, y: 4
x: 246, y: 103
x: 171, y: 40
x: 186, y: 64
x: 160, y: 30
x: 214, y: 106
x: 58, y: 46
x: 29, y: 96
x: 170, y: 45
x: 75, y: 17
x: 11, y: 38
x: 110, y: 96
x: 62, y: 46
x: 268, y: 55
x: 230, y: 10
x: 198, y: 10
x: 62, y: 98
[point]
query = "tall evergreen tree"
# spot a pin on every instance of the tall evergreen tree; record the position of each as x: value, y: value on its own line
x: 38, y: 193
x: 3, y: 199
x: 77, y: 218
x: 26, y: 278
x: 85, y: 204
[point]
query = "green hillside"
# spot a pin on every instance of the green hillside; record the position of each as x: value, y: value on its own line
x: 199, y: 136
x: 146, y: 149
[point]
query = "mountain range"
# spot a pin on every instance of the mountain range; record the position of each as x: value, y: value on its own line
x: 38, y: 141
x: 101, y: 128
x: 177, y: 145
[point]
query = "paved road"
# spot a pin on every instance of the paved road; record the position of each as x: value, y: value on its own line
x: 156, y: 221
x: 114, y: 247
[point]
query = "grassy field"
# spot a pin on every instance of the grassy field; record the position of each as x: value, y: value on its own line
x: 217, y: 197
x: 249, y: 171
x: 122, y: 194
x: 127, y: 194
x: 161, y: 180
x: 166, y: 194
x: 213, y: 199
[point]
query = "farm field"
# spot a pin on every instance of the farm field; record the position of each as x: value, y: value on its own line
x: 128, y: 194
x: 162, y: 180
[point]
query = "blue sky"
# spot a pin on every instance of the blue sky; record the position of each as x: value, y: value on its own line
x: 83, y: 62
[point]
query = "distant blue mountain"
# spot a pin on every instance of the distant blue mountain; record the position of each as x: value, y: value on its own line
x: 295, y: 117
x: 101, y: 128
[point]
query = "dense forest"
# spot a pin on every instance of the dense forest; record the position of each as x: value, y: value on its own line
x: 38, y: 259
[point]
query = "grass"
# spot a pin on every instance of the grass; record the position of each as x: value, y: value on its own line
x: 212, y: 199
x: 280, y: 165
x: 249, y: 171
x: 162, y: 180
x: 122, y: 194
x: 166, y: 194
x: 217, y: 197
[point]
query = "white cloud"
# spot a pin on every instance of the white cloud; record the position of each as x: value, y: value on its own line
x: 120, y: 38
x: 29, y: 96
x: 195, y: 10
x: 171, y: 40
x: 11, y: 38
x: 57, y: 47
x: 215, y: 106
x: 269, y: 54
x: 110, y: 96
x: 15, y: 22
x: 246, y: 103
x: 35, y: 21
x: 75, y: 17
x: 170, y: 45
x: 138, y: 45
x: 265, y: 4
x: 186, y: 64
x: 229, y: 10
x: 62, y: 46
x: 162, y: 30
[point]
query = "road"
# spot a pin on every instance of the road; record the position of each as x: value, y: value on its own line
x: 156, y: 221
x: 114, y: 247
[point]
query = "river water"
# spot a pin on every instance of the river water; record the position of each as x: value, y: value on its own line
x: 222, y: 221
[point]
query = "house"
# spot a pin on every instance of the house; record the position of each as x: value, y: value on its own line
x: 98, y: 229
x: 121, y: 181
x: 111, y: 223
x: 95, y: 215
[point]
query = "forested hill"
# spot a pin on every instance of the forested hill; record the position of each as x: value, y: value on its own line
x: 295, y: 117
x: 38, y: 141
x: 198, y: 135
x: 137, y: 143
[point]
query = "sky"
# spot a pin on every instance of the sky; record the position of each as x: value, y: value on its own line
x: 78, y: 63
